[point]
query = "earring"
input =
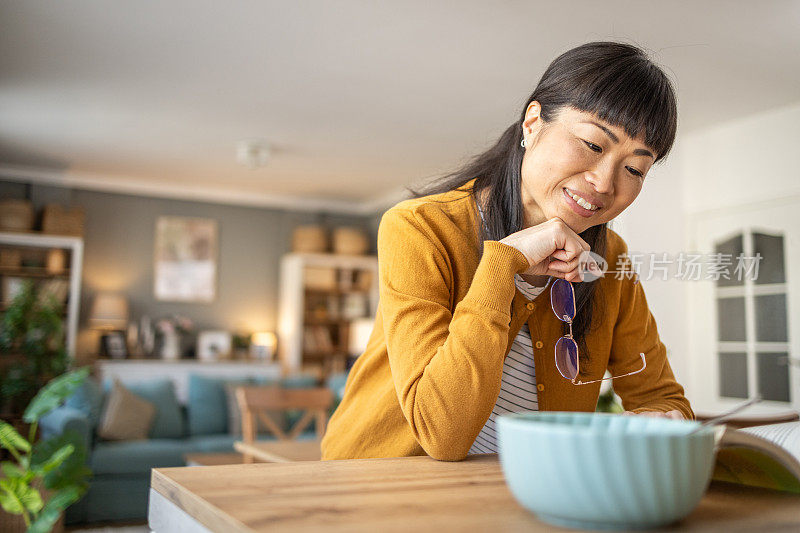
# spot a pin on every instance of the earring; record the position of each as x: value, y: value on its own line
x: 523, y: 143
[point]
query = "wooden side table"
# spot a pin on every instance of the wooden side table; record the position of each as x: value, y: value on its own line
x: 213, y: 459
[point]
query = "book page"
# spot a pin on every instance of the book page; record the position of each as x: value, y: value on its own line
x: 786, y: 435
x: 762, y: 456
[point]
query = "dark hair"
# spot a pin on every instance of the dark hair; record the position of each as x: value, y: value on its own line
x: 615, y: 81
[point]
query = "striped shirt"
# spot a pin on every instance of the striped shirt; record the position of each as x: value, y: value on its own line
x: 518, y: 384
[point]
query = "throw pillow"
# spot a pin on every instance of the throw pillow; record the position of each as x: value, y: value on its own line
x: 168, y: 422
x: 126, y: 415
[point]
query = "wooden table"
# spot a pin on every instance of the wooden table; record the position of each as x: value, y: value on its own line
x: 281, y: 451
x: 403, y: 494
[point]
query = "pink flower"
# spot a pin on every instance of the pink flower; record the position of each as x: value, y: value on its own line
x: 184, y: 323
x: 165, y: 326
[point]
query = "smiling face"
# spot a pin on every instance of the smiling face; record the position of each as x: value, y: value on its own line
x: 574, y: 170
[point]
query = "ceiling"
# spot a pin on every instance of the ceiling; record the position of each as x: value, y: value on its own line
x: 357, y: 99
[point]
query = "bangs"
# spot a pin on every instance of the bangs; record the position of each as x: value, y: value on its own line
x: 636, y: 98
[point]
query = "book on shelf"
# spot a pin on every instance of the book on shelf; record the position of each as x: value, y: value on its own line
x: 354, y: 305
x: 317, y: 339
x: 761, y: 456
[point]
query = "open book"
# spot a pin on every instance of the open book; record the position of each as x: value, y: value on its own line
x: 762, y: 456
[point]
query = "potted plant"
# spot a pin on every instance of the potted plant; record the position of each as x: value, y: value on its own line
x: 32, y: 348
x: 608, y: 401
x: 47, y: 476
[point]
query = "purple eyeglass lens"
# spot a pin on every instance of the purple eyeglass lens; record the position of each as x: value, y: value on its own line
x: 562, y: 299
x: 567, y: 357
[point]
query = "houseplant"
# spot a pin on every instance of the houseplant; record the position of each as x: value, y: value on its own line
x: 608, y: 401
x: 32, y: 348
x: 47, y: 476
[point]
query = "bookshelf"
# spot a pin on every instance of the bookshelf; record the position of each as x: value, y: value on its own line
x: 64, y: 281
x: 320, y: 296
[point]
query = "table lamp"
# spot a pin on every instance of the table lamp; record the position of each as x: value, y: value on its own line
x: 262, y: 345
x: 109, y: 315
x: 360, y: 331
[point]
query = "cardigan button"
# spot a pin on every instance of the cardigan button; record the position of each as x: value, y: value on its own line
x: 539, y: 344
x: 530, y: 306
x: 540, y: 387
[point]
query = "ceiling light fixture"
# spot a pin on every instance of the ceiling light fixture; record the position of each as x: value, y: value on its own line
x: 253, y: 153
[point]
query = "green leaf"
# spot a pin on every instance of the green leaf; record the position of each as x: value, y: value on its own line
x: 9, y: 499
x: 21, y: 495
x: 55, y: 392
x: 31, y: 498
x: 53, y: 509
x: 54, y: 461
x: 10, y: 470
x: 73, y: 470
x: 11, y: 440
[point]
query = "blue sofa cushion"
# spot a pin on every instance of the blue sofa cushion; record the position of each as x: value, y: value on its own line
x: 208, y: 404
x: 88, y: 398
x: 169, y: 421
x: 212, y: 443
x: 137, y: 456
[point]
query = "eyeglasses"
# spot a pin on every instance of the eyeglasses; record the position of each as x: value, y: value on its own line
x: 562, y: 300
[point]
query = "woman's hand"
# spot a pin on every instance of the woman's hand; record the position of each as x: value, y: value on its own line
x: 552, y: 249
x: 674, y: 414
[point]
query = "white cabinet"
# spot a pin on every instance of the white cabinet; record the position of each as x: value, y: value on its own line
x: 744, y: 332
x: 70, y: 274
x: 320, y: 297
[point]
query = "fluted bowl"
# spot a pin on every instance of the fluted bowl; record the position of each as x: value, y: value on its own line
x: 604, y: 471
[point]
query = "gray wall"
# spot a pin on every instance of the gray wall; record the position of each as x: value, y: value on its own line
x: 119, y: 240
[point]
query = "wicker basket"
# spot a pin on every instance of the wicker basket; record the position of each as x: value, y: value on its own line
x: 309, y: 239
x: 349, y: 241
x: 10, y: 258
x: 57, y: 220
x: 16, y: 215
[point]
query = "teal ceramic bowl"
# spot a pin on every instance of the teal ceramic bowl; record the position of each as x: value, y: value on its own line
x: 604, y: 471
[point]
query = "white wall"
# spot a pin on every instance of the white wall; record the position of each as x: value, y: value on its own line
x: 654, y: 224
x: 745, y: 161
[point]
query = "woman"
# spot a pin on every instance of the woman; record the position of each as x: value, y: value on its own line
x: 465, y: 330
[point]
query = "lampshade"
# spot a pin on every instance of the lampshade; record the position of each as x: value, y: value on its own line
x: 262, y: 345
x: 109, y: 312
x: 360, y: 331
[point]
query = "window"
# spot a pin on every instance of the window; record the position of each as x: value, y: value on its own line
x: 752, y: 325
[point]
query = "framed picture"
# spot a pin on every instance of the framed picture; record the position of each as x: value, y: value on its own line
x: 185, y: 259
x: 213, y: 345
x: 114, y: 345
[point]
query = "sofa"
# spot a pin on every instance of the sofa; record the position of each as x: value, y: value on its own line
x: 119, y: 487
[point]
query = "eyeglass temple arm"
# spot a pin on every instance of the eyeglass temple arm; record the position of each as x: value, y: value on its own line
x: 644, y: 365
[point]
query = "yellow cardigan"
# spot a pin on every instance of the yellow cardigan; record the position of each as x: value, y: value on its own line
x: 431, y: 372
